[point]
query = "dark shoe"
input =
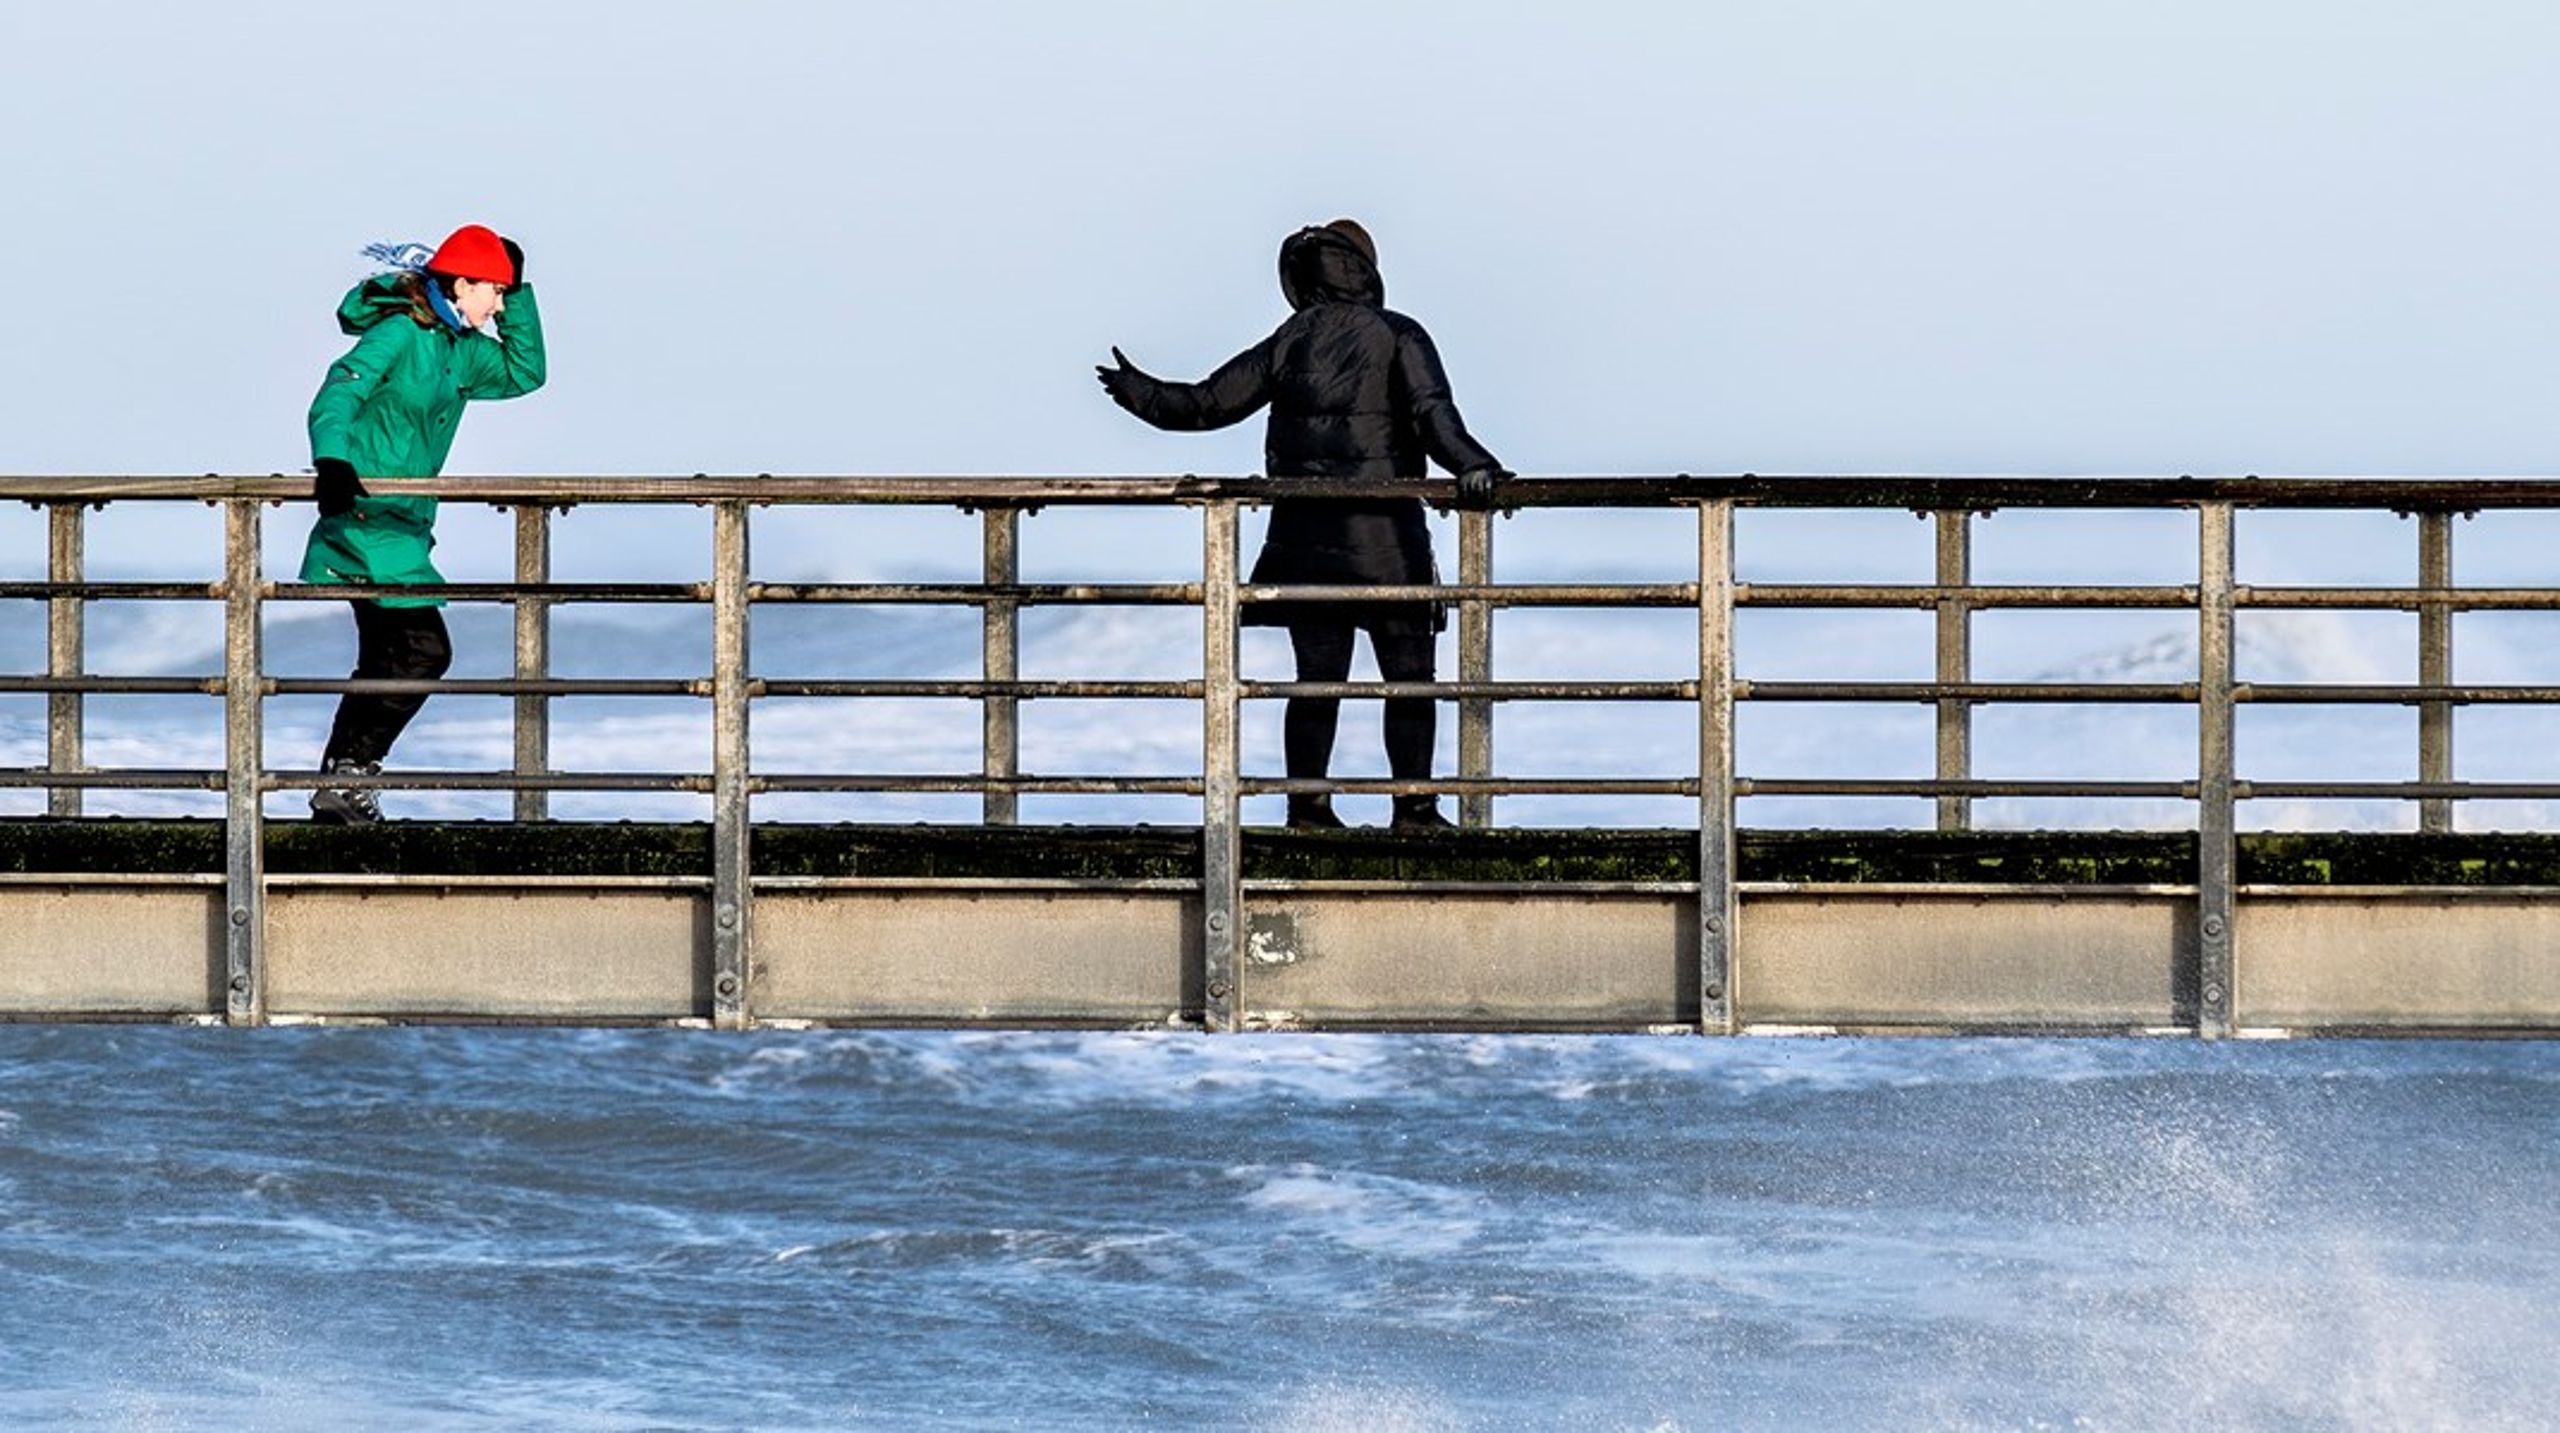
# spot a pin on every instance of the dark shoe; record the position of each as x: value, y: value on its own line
x: 1420, y: 813
x: 1313, y: 813
x: 347, y: 805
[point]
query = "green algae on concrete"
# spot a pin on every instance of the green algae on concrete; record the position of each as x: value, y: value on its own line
x: 47, y: 845
x: 1126, y: 853
x: 104, y: 845
x: 2035, y: 858
x: 1502, y: 854
x: 488, y: 848
x: 2457, y: 858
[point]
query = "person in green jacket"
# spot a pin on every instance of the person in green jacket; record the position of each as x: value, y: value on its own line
x: 387, y: 413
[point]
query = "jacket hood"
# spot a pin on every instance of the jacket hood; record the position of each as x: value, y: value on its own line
x: 372, y: 301
x: 1322, y: 265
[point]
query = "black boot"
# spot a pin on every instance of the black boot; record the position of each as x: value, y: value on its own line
x: 1420, y: 813
x: 1313, y: 813
x: 347, y: 805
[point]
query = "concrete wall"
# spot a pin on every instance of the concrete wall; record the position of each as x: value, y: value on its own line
x: 1911, y: 959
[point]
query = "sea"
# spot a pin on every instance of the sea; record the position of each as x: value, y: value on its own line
x: 500, y: 1229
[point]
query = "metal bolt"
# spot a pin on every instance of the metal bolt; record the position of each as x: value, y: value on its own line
x: 2213, y: 995
x: 728, y: 917
x: 240, y: 984
x: 1715, y: 992
x: 1217, y: 920
x: 2213, y: 925
x: 239, y: 915
x: 728, y: 986
x: 1217, y: 990
x: 1715, y: 925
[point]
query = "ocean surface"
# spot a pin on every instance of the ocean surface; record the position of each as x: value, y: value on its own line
x: 483, y: 1229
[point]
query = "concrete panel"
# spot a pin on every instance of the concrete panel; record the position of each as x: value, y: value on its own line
x: 1517, y: 959
x: 533, y: 953
x: 93, y: 949
x: 2425, y: 961
x: 1086, y: 957
x: 2014, y: 960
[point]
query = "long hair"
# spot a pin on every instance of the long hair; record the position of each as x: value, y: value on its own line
x: 412, y: 285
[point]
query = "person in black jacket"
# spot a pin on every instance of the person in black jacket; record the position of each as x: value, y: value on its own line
x: 1356, y: 391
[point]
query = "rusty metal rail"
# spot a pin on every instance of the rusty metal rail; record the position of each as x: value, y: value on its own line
x: 1715, y: 596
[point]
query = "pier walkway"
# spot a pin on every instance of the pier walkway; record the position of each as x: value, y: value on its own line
x: 1714, y: 928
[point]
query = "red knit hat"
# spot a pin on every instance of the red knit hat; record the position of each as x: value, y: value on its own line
x: 473, y: 252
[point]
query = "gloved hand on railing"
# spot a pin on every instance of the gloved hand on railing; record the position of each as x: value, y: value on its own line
x: 335, y: 485
x: 1480, y: 490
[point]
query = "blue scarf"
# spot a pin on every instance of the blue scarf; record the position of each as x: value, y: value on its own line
x: 443, y: 306
x: 412, y: 258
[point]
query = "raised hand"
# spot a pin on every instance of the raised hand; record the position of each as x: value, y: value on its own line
x: 1121, y: 381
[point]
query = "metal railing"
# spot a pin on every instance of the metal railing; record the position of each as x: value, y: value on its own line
x: 1715, y: 596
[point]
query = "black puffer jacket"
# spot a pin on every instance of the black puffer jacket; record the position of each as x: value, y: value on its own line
x: 1356, y: 391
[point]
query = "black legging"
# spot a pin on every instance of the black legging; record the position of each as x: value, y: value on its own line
x: 1324, y: 655
x: 391, y: 642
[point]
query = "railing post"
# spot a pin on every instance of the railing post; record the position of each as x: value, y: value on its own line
x: 64, y: 628
x: 533, y: 658
x: 1475, y: 663
x: 2435, y: 667
x: 1955, y: 664
x: 1716, y: 904
x: 1001, y: 530
x: 1222, y: 845
x: 2215, y: 819
x: 732, y: 899
x: 244, y: 768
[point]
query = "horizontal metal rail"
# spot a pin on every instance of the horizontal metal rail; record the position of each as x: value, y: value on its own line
x: 490, y: 686
x: 1971, y: 788
x: 115, y: 591
x: 2103, y: 692
x: 1549, y: 594
x: 429, y: 780
x: 124, y: 779
x: 2398, y: 790
x: 978, y: 782
x: 2344, y: 694
x: 555, y: 593
x: 1019, y: 690
x: 1924, y: 596
x: 1482, y: 691
x: 1917, y: 596
x: 2404, y: 599
x: 117, y: 686
x: 1908, y: 492
x: 1027, y: 594
x: 1928, y: 596
x: 1475, y: 786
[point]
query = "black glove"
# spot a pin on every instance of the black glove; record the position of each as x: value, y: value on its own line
x: 515, y: 256
x: 1479, y: 491
x: 1120, y: 382
x: 334, y: 483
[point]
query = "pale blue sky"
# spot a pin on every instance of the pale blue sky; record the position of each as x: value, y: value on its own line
x: 1972, y: 235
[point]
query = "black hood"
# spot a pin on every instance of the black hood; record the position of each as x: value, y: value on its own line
x: 1322, y: 265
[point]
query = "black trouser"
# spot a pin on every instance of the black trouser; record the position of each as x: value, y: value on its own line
x: 1324, y: 655
x: 403, y: 643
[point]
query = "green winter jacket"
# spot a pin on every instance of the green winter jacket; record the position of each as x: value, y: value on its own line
x: 389, y: 409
